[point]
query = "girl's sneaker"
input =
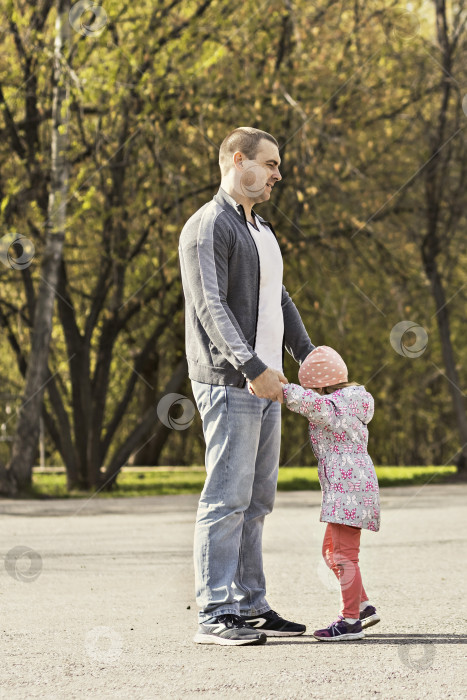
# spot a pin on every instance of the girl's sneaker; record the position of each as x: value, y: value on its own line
x: 369, y: 617
x: 339, y: 631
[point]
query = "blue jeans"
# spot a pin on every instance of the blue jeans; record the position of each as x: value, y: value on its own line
x: 242, y: 434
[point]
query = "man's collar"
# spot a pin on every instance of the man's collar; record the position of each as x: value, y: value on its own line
x: 228, y: 198
x: 223, y: 197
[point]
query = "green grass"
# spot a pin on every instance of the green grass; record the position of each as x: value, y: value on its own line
x: 159, y: 483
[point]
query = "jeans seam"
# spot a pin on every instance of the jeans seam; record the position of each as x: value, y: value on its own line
x: 228, y: 431
x: 240, y: 569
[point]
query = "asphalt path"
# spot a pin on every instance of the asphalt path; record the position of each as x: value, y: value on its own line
x: 97, y: 601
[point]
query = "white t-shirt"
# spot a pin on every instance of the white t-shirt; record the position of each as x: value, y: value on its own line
x: 270, y: 328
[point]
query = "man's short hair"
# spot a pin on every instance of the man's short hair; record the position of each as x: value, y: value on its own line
x: 245, y: 139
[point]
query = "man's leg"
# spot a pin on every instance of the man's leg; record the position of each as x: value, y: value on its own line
x: 250, y: 583
x: 232, y: 420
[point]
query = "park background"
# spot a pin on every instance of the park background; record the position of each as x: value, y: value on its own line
x: 112, y: 116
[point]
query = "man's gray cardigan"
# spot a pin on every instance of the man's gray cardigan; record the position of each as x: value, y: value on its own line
x: 220, y: 275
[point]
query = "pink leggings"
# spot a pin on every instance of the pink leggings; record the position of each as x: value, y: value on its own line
x: 341, y: 546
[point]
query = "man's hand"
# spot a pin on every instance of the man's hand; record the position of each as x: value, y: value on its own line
x: 268, y: 385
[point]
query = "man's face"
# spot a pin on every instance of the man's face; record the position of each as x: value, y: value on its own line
x: 257, y: 177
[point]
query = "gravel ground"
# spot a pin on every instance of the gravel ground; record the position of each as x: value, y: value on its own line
x: 103, y: 605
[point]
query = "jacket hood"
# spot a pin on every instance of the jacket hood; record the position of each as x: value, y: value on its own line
x: 354, y: 400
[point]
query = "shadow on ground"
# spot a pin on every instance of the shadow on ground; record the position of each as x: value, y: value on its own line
x: 395, y: 639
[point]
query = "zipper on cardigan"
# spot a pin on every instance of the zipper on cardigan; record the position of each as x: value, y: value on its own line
x: 259, y: 277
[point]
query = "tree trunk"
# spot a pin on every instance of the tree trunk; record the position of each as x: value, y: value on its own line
x: 458, y: 400
x: 435, y: 239
x: 24, y: 449
x: 148, y: 454
x: 120, y: 457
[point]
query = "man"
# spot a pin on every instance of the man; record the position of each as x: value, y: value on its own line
x: 239, y: 318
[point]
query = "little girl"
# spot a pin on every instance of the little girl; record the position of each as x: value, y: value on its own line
x: 338, y: 412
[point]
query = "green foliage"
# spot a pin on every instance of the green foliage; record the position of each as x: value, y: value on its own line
x: 351, y: 92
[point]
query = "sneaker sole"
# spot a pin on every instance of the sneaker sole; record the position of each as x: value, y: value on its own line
x: 215, y: 639
x: 370, y: 621
x: 279, y: 633
x: 341, y: 638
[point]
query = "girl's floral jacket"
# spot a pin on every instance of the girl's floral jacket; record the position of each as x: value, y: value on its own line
x: 339, y: 437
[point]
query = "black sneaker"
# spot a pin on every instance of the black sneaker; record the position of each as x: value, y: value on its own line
x: 273, y: 625
x: 228, y: 630
x: 369, y: 617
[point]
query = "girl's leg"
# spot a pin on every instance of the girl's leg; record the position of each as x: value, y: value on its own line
x: 328, y: 550
x: 346, y: 547
x: 363, y: 595
x: 328, y: 556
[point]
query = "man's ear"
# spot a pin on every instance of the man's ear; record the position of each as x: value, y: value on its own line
x: 238, y: 159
